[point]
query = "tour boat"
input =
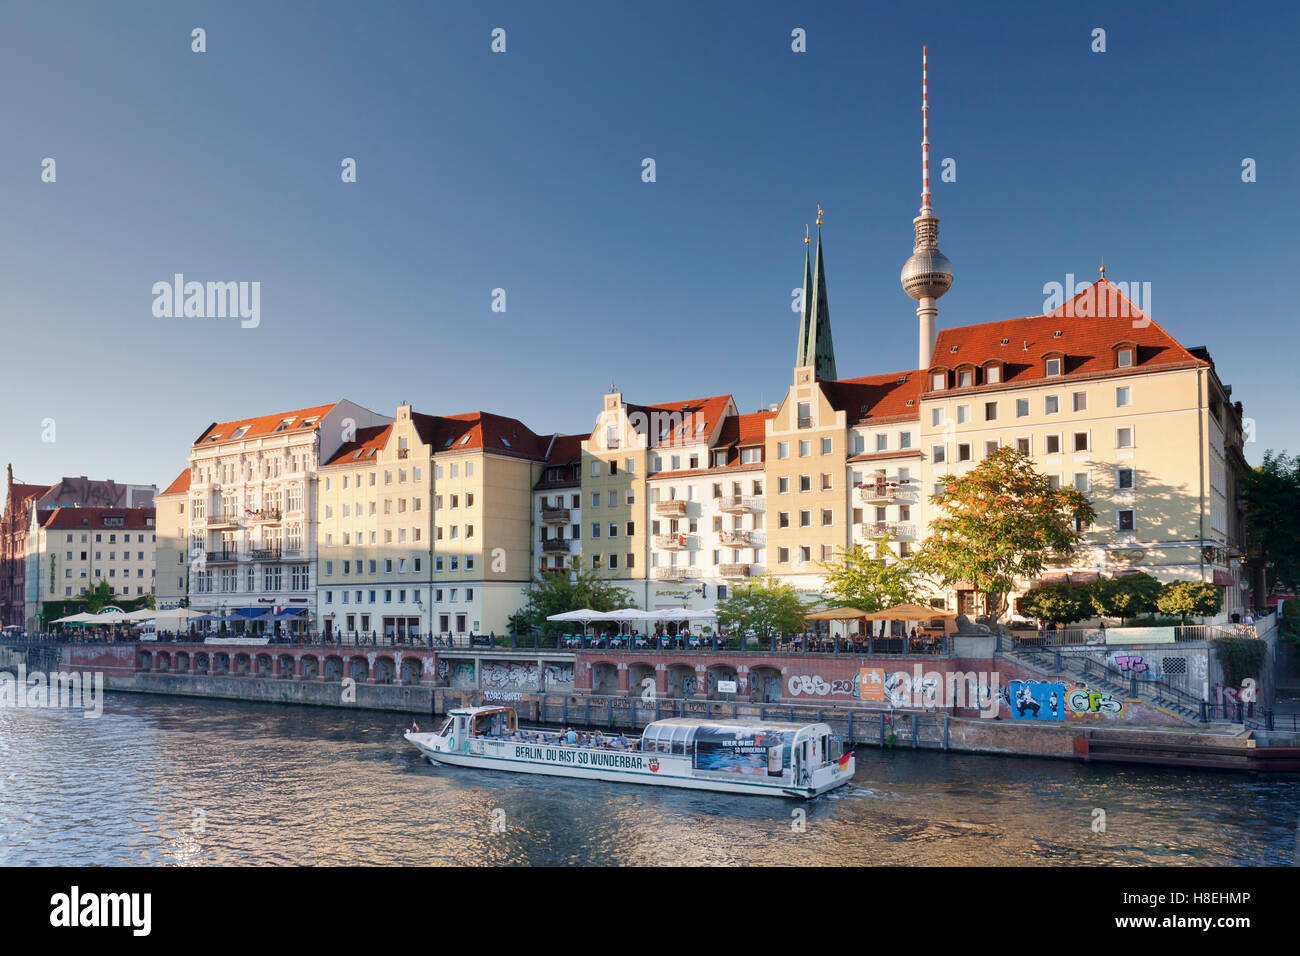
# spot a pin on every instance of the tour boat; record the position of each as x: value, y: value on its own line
x: 774, y: 758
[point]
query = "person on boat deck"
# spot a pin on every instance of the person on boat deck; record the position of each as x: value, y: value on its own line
x: 571, y: 736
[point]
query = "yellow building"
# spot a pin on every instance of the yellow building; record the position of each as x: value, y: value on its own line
x: 425, y: 526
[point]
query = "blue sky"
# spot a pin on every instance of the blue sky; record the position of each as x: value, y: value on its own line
x: 522, y: 171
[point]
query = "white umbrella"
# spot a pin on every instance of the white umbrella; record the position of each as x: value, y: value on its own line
x: 144, y: 614
x: 582, y: 614
x: 108, y: 617
x: 75, y: 618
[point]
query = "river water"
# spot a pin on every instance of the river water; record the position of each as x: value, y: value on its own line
x: 160, y: 780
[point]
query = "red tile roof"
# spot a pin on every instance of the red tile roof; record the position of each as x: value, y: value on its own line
x: 566, y: 449
x: 694, y: 411
x: 133, y: 519
x: 368, y: 440
x: 262, y: 425
x: 24, y: 492
x: 180, y: 485
x: 747, y: 429
x: 875, y: 397
x: 1091, y: 324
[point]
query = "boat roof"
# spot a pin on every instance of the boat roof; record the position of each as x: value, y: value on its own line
x: 471, y: 711
x: 732, y: 724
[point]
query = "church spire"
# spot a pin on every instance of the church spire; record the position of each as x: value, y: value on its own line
x: 815, y: 345
x: 805, y: 322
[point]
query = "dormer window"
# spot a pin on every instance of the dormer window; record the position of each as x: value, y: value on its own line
x: 938, y: 380
x: 1124, y: 358
x: 238, y: 432
x: 992, y: 374
x: 966, y: 378
x: 284, y: 425
x: 1052, y: 366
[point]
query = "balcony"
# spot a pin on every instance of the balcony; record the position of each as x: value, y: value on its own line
x: 879, y: 492
x: 226, y: 520
x: 735, y: 504
x: 902, y: 531
x: 555, y: 546
x: 555, y: 516
x: 736, y: 539
x: 673, y: 508
x: 265, y: 515
x: 674, y: 573
x: 674, y: 542
x: 265, y: 554
x: 733, y: 570
x: 223, y: 557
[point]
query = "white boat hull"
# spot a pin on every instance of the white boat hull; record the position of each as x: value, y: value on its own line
x: 659, y: 770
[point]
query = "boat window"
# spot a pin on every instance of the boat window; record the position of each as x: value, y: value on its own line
x: 446, y: 727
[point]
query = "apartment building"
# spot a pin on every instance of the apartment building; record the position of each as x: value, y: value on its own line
x: 425, y: 525
x: 251, y: 521
x: 71, y: 550
x: 557, y: 505
x: 171, y: 552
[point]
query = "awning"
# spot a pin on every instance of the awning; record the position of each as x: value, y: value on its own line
x: 836, y: 614
x: 910, y: 612
x: 249, y: 613
x: 1223, y: 579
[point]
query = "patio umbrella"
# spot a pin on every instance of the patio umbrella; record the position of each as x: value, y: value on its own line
x: 144, y: 614
x: 909, y: 612
x: 81, y: 618
x: 582, y: 614
x: 836, y: 614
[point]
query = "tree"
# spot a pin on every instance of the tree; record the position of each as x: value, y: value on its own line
x: 1270, y: 493
x: 764, y: 606
x: 1000, y: 522
x: 557, y: 590
x: 1062, y: 602
x: 98, y: 597
x: 1125, y: 597
x: 868, y: 582
x: 1186, y: 598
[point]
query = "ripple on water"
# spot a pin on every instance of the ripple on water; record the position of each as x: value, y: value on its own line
x: 185, y: 782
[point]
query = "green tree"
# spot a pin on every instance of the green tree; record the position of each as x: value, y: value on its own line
x: 1000, y: 522
x: 764, y: 606
x: 1188, y: 598
x: 555, y: 591
x: 1270, y: 494
x: 98, y: 597
x: 868, y: 581
x: 1062, y: 602
x: 1125, y: 597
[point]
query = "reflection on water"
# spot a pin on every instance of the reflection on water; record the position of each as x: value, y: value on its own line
x: 180, y: 781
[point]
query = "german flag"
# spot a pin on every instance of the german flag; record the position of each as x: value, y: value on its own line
x: 843, y: 762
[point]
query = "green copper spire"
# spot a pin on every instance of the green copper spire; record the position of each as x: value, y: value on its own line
x: 818, y: 350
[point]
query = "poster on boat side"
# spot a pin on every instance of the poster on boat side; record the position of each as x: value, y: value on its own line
x: 741, y: 751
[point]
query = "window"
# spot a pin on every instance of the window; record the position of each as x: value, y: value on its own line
x: 1124, y: 437
x: 938, y: 454
x: 783, y: 519
x: 1022, y: 408
x: 1123, y: 396
x: 1080, y: 441
x: 1024, y: 446
x: 882, y: 442
x: 990, y: 411
x: 595, y: 469
x: 965, y: 378
x: 991, y: 446
x: 1124, y: 519
x: 1052, y: 367
x: 1054, y: 482
x: 963, y: 451
x: 904, y: 440
x: 783, y: 555
x: 805, y: 482
x: 782, y: 486
x: 805, y: 415
x: 1051, y: 404
x: 805, y: 448
x: 828, y: 517
x: 992, y: 375
x: 963, y: 414
x: 1124, y: 358
x: 1124, y: 479
x: 827, y: 481
x: 827, y: 445
x: 783, y: 449
x: 1053, y: 445
x: 1081, y: 482
x: 1080, y: 400
x: 938, y: 380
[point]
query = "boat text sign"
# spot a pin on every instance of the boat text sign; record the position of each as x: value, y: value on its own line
x: 598, y: 759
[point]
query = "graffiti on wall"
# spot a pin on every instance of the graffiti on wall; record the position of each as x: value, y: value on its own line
x: 1035, y: 700
x: 559, y: 675
x: 1085, y: 702
x: 510, y: 675
x: 457, y: 674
